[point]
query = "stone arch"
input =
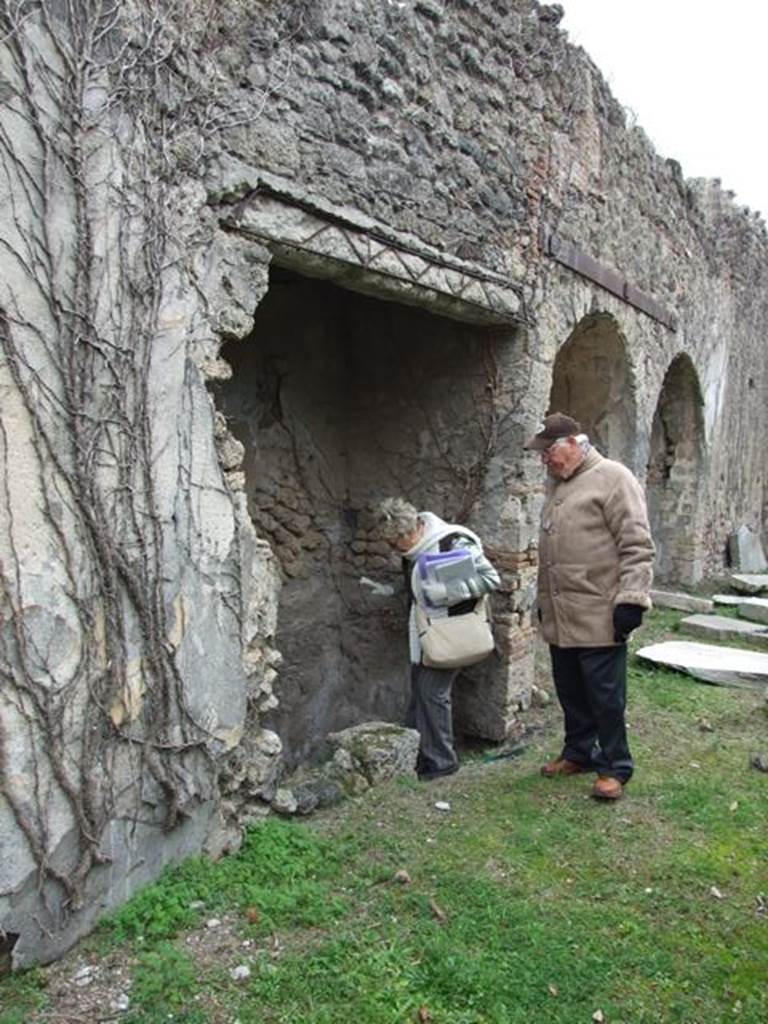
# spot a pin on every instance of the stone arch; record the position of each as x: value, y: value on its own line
x: 675, y: 469
x: 592, y: 381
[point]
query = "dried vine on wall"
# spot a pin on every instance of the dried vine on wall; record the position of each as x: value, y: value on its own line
x: 107, y: 105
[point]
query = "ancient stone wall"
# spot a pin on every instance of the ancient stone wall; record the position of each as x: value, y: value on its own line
x: 458, y: 201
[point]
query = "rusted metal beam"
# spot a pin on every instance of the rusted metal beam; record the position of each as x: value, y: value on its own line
x: 569, y: 255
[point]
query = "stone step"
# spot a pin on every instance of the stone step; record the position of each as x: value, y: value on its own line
x: 723, y: 666
x: 755, y: 609
x: 749, y: 583
x: 719, y: 627
x: 729, y: 599
x: 682, y: 602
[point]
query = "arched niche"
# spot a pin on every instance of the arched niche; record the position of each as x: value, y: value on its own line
x: 674, y: 472
x: 592, y: 381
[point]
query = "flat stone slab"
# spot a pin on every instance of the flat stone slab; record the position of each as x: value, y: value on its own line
x: 749, y: 583
x: 755, y: 609
x: 730, y: 599
x: 723, y: 666
x: 719, y: 627
x: 682, y: 602
x: 746, y: 551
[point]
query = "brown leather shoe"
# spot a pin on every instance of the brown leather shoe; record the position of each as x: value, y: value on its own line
x: 562, y: 766
x: 607, y: 788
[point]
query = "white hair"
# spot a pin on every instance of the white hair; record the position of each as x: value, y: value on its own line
x: 581, y: 440
x: 395, y: 517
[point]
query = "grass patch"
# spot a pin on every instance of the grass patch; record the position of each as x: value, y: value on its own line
x: 280, y: 872
x: 526, y: 900
x: 21, y: 995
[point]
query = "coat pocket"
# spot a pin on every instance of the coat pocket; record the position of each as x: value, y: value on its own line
x: 574, y: 579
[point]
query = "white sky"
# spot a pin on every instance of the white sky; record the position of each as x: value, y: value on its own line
x: 695, y: 74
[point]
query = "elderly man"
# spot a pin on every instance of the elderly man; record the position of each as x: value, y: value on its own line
x: 411, y: 533
x: 595, y: 571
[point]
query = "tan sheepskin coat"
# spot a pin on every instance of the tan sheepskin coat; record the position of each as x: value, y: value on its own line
x: 595, y: 551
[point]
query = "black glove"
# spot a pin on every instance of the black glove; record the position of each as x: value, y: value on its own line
x: 626, y: 617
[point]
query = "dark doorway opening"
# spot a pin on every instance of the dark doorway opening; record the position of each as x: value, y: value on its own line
x: 674, y: 474
x: 340, y: 400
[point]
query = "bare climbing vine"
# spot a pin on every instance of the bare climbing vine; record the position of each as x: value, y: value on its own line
x: 107, y: 106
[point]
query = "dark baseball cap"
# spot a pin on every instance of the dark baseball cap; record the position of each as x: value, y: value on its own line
x: 555, y: 426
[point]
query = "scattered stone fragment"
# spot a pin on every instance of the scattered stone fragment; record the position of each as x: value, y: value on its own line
x: 724, y: 666
x: 540, y: 698
x: 85, y: 976
x: 212, y: 922
x: 755, y: 609
x: 240, y: 973
x: 714, y: 891
x: 749, y: 583
x: 442, y: 805
x: 759, y: 761
x: 719, y: 627
x: 705, y: 725
x: 380, y: 750
x: 682, y: 602
x: 120, y: 1003
x: 284, y: 802
x: 402, y: 877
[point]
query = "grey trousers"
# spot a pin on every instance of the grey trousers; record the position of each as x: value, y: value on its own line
x: 430, y: 713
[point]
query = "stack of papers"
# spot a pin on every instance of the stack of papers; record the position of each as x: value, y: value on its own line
x: 445, y: 566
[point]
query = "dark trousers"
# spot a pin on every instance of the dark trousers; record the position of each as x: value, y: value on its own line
x: 430, y: 713
x: 591, y: 684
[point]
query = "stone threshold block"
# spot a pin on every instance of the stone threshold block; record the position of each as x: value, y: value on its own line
x: 749, y: 583
x: 755, y: 609
x: 682, y: 602
x: 718, y: 627
x: 722, y: 666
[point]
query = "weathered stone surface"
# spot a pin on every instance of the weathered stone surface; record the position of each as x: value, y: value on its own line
x: 379, y: 750
x: 749, y: 583
x: 284, y: 801
x: 721, y: 628
x: 682, y: 602
x: 746, y: 551
x: 755, y: 609
x: 726, y: 666
x: 317, y: 793
x: 730, y: 600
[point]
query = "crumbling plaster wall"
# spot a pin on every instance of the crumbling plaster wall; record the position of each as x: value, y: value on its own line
x: 461, y: 128
x: 137, y: 602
